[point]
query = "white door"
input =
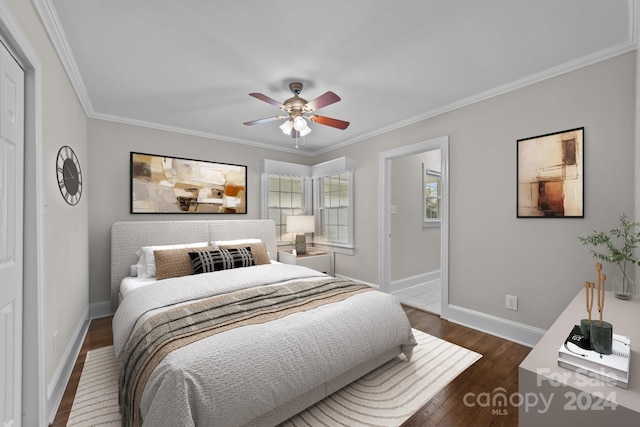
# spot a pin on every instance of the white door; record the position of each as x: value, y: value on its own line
x: 11, y: 196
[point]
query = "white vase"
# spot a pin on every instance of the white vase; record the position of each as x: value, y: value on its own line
x: 623, y: 287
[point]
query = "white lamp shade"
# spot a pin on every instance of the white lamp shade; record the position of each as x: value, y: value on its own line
x: 300, y: 224
x: 299, y: 124
x: 286, y: 127
x: 306, y: 131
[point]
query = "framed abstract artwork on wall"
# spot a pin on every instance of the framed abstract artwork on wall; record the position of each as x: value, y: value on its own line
x: 550, y: 170
x: 164, y: 184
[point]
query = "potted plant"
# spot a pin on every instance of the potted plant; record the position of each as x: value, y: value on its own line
x: 617, y: 245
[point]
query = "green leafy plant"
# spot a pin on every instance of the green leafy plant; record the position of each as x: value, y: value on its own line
x: 618, y: 245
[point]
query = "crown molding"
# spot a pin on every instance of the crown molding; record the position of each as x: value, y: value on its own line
x: 191, y: 132
x: 620, y: 49
x: 49, y: 19
x: 52, y: 24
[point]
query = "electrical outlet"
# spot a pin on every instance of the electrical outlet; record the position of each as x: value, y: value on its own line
x: 55, y: 343
x: 512, y: 302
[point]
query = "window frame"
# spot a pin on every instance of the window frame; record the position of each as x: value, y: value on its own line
x: 310, y: 175
x: 427, y: 172
x: 319, y: 208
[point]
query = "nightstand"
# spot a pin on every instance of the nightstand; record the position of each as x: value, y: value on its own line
x: 318, y: 260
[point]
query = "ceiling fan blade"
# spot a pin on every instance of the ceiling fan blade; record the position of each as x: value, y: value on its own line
x: 323, y: 100
x: 265, y: 120
x: 328, y: 121
x: 268, y: 100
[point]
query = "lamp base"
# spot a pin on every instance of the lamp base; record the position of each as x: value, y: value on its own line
x: 301, y: 244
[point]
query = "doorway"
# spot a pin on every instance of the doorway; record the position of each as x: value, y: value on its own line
x: 409, y: 266
x: 415, y: 230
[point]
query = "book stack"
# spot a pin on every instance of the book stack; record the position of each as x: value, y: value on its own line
x: 610, y: 368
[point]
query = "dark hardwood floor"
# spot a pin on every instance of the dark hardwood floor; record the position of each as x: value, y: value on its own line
x: 463, y: 402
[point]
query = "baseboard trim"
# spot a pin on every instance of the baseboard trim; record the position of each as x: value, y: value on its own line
x: 413, y: 281
x: 62, y: 374
x: 100, y: 309
x: 60, y: 378
x: 492, y: 325
x: 497, y: 326
x: 373, y: 285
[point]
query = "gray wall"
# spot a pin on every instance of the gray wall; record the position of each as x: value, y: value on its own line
x: 491, y: 252
x: 109, y: 148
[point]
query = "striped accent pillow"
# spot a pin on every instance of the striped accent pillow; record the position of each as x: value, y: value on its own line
x: 222, y: 259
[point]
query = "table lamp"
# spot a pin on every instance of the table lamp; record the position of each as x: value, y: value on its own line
x: 300, y: 225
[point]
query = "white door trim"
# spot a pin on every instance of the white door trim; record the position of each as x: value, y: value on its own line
x: 34, y: 397
x: 11, y: 236
x: 384, y: 212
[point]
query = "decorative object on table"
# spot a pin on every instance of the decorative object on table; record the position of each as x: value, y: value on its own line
x: 585, y: 324
x: 620, y: 243
x: 69, y: 175
x: 163, y: 184
x: 592, y: 348
x: 601, y: 332
x: 612, y: 368
x: 550, y: 175
x: 300, y: 225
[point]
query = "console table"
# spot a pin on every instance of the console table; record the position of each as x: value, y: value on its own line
x: 551, y: 395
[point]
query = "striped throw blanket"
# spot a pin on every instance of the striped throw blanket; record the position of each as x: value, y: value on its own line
x: 185, y: 324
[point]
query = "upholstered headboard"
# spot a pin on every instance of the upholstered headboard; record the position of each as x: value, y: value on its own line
x: 129, y: 236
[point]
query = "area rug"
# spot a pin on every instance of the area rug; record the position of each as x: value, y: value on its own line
x: 387, y: 396
x: 96, y: 400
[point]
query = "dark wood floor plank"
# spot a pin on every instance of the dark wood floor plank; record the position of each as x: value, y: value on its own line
x: 496, y: 371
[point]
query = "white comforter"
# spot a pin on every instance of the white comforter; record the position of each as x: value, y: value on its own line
x: 234, y: 377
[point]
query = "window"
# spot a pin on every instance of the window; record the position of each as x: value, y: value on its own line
x: 324, y: 190
x: 431, y: 197
x: 335, y: 210
x: 286, y: 196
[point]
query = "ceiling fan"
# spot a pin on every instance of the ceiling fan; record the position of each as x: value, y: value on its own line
x: 299, y: 111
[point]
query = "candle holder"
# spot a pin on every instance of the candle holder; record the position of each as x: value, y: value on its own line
x: 601, y: 333
x: 602, y: 337
x: 585, y: 328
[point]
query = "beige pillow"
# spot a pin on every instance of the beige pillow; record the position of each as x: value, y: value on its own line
x: 258, y: 251
x: 175, y: 262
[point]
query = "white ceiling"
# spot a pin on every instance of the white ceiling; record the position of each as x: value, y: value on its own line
x: 189, y: 65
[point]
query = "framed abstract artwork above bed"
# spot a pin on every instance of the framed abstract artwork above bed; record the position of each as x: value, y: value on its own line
x: 551, y: 175
x: 164, y: 184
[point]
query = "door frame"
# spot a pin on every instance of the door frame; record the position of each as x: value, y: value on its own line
x: 384, y: 212
x: 34, y: 395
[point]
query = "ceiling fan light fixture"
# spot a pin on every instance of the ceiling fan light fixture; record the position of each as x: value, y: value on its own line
x: 298, y: 110
x: 286, y: 127
x: 300, y: 124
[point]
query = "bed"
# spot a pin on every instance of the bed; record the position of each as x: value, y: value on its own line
x: 272, y: 339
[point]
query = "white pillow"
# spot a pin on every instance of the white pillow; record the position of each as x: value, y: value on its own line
x: 217, y: 243
x: 147, y: 261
